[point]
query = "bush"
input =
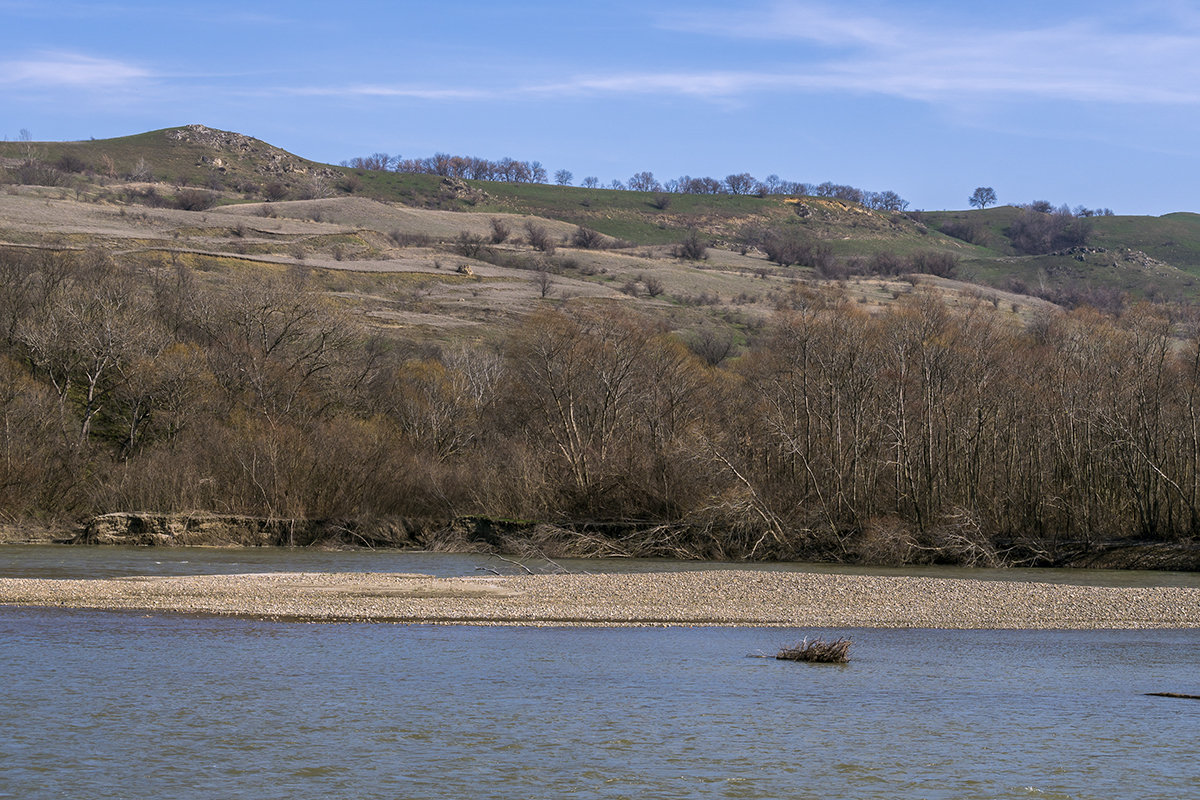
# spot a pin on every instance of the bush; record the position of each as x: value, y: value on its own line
x: 195, y: 200
x: 500, y: 230
x: 402, y: 239
x: 539, y: 237
x: 661, y: 201
x: 887, y: 264
x: 587, y: 239
x: 970, y: 232
x: 38, y: 173
x: 470, y: 245
x: 275, y: 191
x: 349, y: 183
x: 787, y: 247
x: 71, y: 163
x: 933, y: 262
x: 147, y: 197
x: 1037, y: 232
x: 692, y: 248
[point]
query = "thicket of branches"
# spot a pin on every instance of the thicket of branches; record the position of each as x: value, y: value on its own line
x: 920, y: 433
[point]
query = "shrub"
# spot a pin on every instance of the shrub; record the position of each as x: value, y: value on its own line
x: 539, y: 237
x: 692, y: 248
x: 469, y: 245
x: 884, y: 263
x: 587, y: 238
x: 71, y: 163
x: 402, y: 239
x: 654, y: 287
x: 195, y: 200
x: 500, y: 230
x: 971, y: 232
x: 1037, y: 232
x: 933, y: 262
x: 32, y: 172
x: 787, y: 247
x: 147, y: 197
x: 275, y: 191
x: 349, y: 183
x: 661, y: 201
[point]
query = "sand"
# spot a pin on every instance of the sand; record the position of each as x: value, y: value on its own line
x: 744, y: 598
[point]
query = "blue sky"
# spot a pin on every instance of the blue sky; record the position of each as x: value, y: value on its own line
x: 1093, y: 103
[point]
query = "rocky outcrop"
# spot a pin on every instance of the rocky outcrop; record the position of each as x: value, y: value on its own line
x: 264, y: 159
x: 231, y: 530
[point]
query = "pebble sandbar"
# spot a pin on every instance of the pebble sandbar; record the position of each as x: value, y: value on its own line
x: 725, y: 597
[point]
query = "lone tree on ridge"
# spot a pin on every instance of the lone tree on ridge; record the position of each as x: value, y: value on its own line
x: 983, y: 197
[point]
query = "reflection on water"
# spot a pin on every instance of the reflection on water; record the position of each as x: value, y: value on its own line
x: 103, y: 705
x: 61, y: 561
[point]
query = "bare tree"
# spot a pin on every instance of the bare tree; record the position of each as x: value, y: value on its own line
x: 500, y: 230
x: 563, y: 177
x: 587, y: 239
x: 983, y: 197
x: 539, y: 238
x: 692, y: 248
x: 644, y: 182
x: 741, y: 183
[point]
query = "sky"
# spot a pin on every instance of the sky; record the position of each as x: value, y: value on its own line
x: 1084, y: 103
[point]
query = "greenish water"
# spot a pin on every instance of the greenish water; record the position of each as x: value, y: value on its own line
x: 105, y: 705
x: 61, y: 561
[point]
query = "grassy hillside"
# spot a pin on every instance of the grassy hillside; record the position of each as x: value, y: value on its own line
x: 356, y: 226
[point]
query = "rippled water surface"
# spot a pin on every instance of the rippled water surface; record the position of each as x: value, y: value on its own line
x: 104, y: 705
x: 61, y: 561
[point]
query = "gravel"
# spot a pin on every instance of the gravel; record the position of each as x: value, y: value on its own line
x: 674, y: 598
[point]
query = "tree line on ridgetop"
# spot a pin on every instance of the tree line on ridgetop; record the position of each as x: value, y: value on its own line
x: 513, y: 171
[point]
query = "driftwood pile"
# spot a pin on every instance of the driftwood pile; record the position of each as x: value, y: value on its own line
x: 817, y: 651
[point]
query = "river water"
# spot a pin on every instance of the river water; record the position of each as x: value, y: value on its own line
x: 124, y: 705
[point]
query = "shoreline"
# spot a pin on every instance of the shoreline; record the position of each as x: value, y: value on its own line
x: 707, y: 598
x: 486, y: 534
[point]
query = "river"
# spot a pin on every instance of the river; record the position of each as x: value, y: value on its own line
x: 106, y: 705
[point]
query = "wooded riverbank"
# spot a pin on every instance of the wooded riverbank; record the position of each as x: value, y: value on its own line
x: 481, y: 534
x: 921, y: 433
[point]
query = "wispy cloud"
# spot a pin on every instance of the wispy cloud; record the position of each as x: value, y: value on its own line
x: 69, y: 70
x: 811, y: 47
x: 1154, y: 61
x: 401, y: 91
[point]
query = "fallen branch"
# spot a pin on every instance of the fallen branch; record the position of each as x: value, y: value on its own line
x: 1174, y: 694
x: 817, y: 651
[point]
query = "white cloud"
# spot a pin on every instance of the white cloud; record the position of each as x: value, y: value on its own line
x: 69, y: 70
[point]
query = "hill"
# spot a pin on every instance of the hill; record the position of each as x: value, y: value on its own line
x: 194, y: 167
x: 193, y: 320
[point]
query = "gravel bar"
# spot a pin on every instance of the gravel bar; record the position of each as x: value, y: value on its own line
x: 743, y: 598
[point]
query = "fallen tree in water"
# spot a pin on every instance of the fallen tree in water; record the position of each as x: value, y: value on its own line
x: 204, y: 529
x: 818, y: 651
